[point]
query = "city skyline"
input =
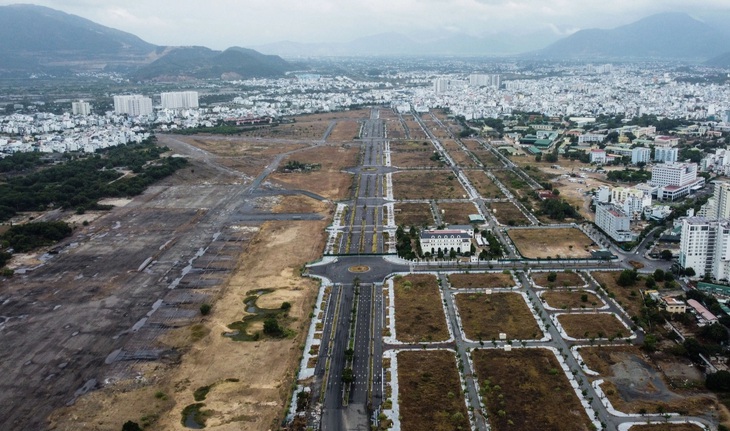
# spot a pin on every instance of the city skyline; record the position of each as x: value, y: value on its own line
x: 256, y: 23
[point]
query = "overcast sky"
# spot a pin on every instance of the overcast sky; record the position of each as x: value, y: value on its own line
x: 222, y: 23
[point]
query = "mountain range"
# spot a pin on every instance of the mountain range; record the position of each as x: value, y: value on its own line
x: 662, y: 36
x: 37, y: 39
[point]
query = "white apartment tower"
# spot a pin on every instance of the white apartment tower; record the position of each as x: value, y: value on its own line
x: 134, y: 105
x: 80, y: 108
x: 640, y: 155
x: 441, y: 85
x: 179, y: 100
x: 718, y: 206
x: 666, y: 154
x: 612, y: 220
x: 673, y: 174
x: 705, y: 246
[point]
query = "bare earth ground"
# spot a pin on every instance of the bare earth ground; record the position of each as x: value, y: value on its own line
x: 541, y: 243
x: 633, y: 382
x: 171, y: 222
x: 345, y: 131
x: 272, y: 261
x: 666, y: 427
x: 507, y: 213
x: 484, y: 185
x: 628, y: 297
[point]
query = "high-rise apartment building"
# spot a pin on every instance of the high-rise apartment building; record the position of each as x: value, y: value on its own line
x: 675, y: 180
x: 180, y: 100
x: 80, y: 108
x: 718, y: 206
x: 705, y: 246
x: 134, y: 105
x: 640, y: 155
x: 484, y: 80
x: 666, y: 154
x: 612, y: 220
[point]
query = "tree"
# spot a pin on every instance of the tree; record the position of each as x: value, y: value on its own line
x: 627, y: 278
x: 659, y: 275
x: 348, y: 376
x: 650, y: 343
x: 131, y: 426
x: 552, y: 276
x: 556, y: 192
x: 666, y: 254
x: 715, y: 332
x: 689, y: 272
x: 452, y: 254
x: 538, y: 157
x: 719, y: 381
x: 272, y: 327
x: 650, y: 283
x: 205, y: 309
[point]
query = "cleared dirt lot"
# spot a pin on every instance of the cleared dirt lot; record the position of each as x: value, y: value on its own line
x: 345, y: 131
x: 485, y: 316
x: 427, y: 185
x: 554, y: 243
x: 633, y: 383
x: 429, y: 391
x: 419, y: 315
x: 413, y: 154
x: 628, y: 297
x: 526, y: 389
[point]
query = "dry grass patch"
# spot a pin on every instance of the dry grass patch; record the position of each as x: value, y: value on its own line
x: 593, y: 325
x: 483, y: 184
x: 456, y: 212
x: 481, y: 280
x: 507, y: 213
x: 429, y: 391
x: 488, y: 159
x: 413, y: 154
x: 572, y: 299
x: 419, y: 315
x: 427, y: 185
x: 485, y: 316
x: 526, y: 390
x: 301, y: 204
x: 634, y: 384
x: 563, y: 279
x: 553, y: 243
x: 414, y: 129
x: 628, y: 297
x: 410, y: 214
x: 329, y: 181
x: 345, y: 131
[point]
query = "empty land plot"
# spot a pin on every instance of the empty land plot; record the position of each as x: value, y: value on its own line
x: 488, y: 158
x: 628, y: 297
x: 508, y: 214
x: 456, y: 212
x: 593, y: 325
x: 414, y: 154
x: 513, y: 182
x: 328, y: 181
x: 309, y: 129
x: 394, y: 128
x: 543, y: 243
x: 427, y: 185
x: 414, y: 128
x: 484, y: 185
x: 345, y: 130
x: 634, y: 384
x: 484, y: 280
x: 419, y: 316
x: 485, y: 316
x: 562, y: 279
x: 526, y: 390
x: 429, y: 391
x: 572, y: 299
x: 413, y: 214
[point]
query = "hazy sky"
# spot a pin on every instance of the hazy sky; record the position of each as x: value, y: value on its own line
x: 222, y: 23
